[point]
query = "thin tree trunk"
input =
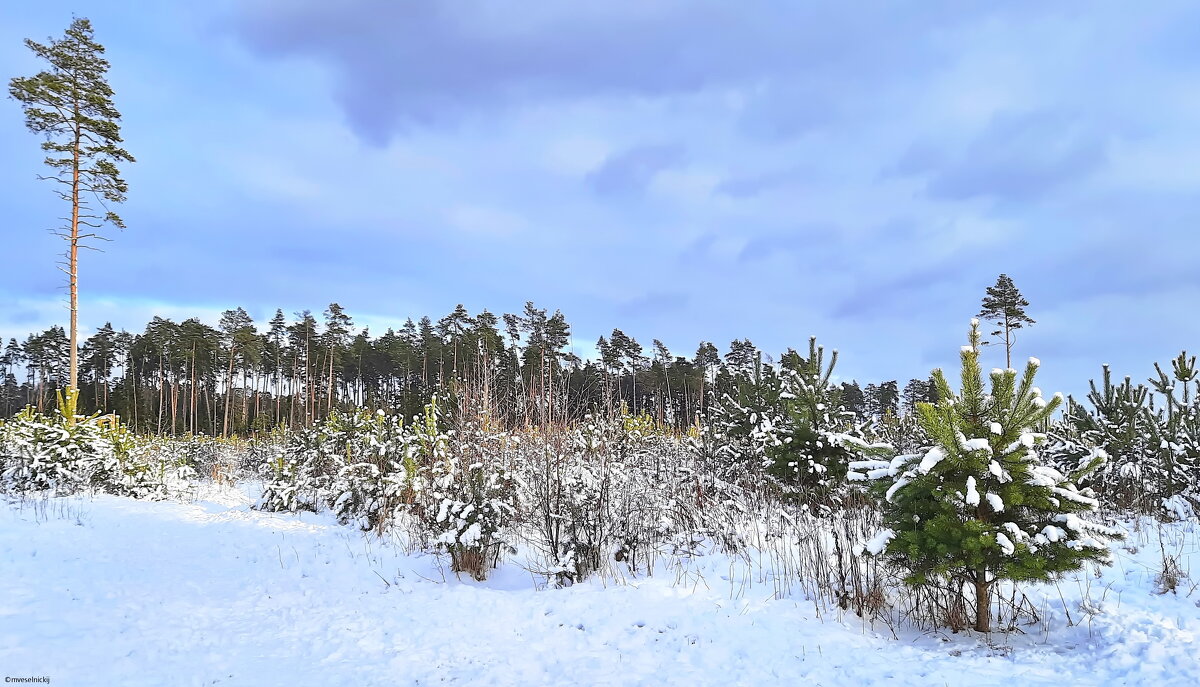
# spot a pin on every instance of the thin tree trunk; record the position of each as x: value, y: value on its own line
x: 245, y: 398
x: 174, y: 403
x: 1007, y: 344
x: 983, y: 600
x: 331, y: 394
x: 228, y: 391
x: 192, y: 399
x: 73, y: 266
x: 162, y: 393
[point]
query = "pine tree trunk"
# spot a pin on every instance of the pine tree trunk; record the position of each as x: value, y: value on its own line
x: 1007, y: 344
x: 73, y: 266
x: 330, y: 394
x: 245, y: 398
x: 983, y: 598
x: 228, y: 392
x: 174, y: 403
x: 195, y: 413
x: 162, y: 393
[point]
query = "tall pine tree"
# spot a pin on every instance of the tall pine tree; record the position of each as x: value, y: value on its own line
x: 70, y: 104
x: 1005, y: 306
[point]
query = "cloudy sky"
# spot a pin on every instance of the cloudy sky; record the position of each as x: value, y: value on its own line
x: 681, y: 170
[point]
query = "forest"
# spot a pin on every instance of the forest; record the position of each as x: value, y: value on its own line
x: 237, y: 379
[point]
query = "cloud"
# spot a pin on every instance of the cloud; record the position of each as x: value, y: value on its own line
x: 753, y: 184
x: 654, y: 304
x: 1019, y: 157
x: 814, y: 241
x: 902, y: 295
x: 488, y: 222
x: 919, y: 158
x: 396, y: 65
x: 631, y: 171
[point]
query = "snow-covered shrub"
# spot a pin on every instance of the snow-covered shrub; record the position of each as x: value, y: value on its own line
x: 299, y: 475
x: 46, y: 453
x: 1121, y: 424
x: 788, y: 426
x: 1177, y: 438
x: 741, y: 424
x: 568, y: 485
x: 475, y: 505
x: 375, y: 471
x: 604, y: 496
x: 903, y: 433
x: 358, y: 465
x: 213, y: 458
x: 54, y: 454
x: 472, y: 489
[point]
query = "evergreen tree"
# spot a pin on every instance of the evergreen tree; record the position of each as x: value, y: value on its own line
x: 980, y: 506
x: 238, y: 330
x: 853, y: 399
x: 1005, y: 306
x: 1153, y: 452
x: 70, y: 104
x: 452, y: 327
x: 1177, y: 435
x: 98, y: 355
x: 886, y: 400
x: 276, y: 340
x: 742, y: 355
x: 918, y: 391
x: 337, y: 332
x: 707, y: 360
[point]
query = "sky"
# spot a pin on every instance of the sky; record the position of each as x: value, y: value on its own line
x: 684, y: 171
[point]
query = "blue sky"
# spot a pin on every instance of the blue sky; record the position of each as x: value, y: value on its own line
x: 681, y: 170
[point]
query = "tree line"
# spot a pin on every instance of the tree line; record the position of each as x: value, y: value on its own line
x: 241, y: 377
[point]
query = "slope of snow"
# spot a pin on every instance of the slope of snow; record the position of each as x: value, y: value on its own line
x: 116, y: 591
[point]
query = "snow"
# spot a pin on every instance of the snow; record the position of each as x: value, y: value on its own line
x: 995, y: 502
x: 999, y: 472
x: 1005, y: 543
x: 995, y: 428
x: 972, y: 497
x: 879, y: 542
x: 931, y: 459
x: 899, y: 484
x: 979, y: 444
x: 113, y: 591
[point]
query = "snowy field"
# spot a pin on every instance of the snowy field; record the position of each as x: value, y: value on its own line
x: 114, y: 591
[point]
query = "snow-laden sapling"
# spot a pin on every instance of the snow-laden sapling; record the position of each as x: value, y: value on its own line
x: 981, y: 506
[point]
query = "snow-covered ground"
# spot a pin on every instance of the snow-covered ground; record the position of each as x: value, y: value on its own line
x: 113, y: 591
